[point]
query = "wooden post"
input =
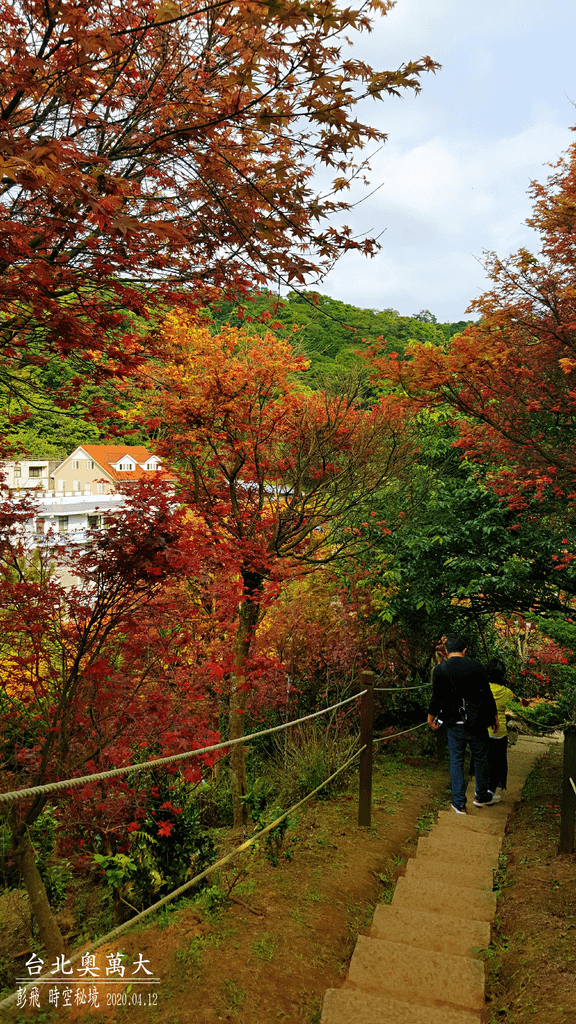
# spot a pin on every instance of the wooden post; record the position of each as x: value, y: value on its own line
x: 366, y: 734
x: 568, y: 794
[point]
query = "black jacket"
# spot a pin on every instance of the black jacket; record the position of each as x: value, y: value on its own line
x: 461, y: 679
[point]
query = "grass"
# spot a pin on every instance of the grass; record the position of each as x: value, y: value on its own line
x: 233, y: 993
x: 192, y: 956
x: 265, y: 947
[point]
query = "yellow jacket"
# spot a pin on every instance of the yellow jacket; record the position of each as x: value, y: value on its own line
x: 502, y: 695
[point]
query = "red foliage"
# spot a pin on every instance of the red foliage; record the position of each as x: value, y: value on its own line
x: 95, y: 647
x: 513, y: 374
x: 153, y: 149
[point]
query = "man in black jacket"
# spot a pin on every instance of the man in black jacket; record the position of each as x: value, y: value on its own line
x: 460, y: 693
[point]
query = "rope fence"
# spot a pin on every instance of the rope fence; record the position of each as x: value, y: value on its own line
x: 176, y: 893
x: 399, y: 689
x: 382, y: 739
x: 364, y: 754
x: 52, y: 787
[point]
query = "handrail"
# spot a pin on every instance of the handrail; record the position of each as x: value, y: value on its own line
x: 399, y: 689
x: 50, y: 787
x: 382, y: 739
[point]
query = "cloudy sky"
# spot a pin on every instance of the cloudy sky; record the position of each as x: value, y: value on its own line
x: 460, y: 156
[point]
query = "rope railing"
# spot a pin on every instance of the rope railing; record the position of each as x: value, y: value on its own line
x: 399, y: 689
x: 538, y: 726
x: 366, y: 742
x: 116, y: 932
x: 364, y: 753
x: 382, y: 739
x: 51, y: 787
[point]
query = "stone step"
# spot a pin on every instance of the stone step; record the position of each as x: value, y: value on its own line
x: 475, y: 822
x: 423, y: 977
x: 426, y: 929
x: 463, y: 848
x: 342, y: 1006
x: 472, y: 839
x: 431, y: 871
x: 417, y: 965
x: 458, y: 900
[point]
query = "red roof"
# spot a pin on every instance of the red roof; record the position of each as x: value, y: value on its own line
x: 107, y: 454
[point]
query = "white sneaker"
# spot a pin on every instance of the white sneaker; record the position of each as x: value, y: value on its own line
x: 494, y: 797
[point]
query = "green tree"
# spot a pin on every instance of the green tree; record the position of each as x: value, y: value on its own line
x: 456, y: 555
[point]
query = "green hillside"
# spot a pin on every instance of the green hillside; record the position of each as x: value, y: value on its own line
x: 47, y: 417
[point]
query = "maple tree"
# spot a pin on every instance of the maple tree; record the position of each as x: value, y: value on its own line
x: 270, y: 467
x: 94, y: 669
x: 152, y: 149
x: 323, y: 634
x: 508, y: 382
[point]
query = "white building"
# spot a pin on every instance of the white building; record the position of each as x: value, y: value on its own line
x: 74, y: 495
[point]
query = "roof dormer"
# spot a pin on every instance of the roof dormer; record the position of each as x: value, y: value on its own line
x: 125, y: 465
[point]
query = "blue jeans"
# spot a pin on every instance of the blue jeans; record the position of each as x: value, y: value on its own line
x: 458, y: 738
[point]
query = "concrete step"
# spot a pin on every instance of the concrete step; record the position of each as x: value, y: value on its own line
x: 417, y: 964
x: 431, y: 871
x: 423, y: 977
x: 475, y: 822
x: 464, y: 848
x: 457, y: 900
x: 343, y: 1006
x: 471, y: 838
x: 425, y: 929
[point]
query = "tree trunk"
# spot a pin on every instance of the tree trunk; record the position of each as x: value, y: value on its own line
x: 248, y: 618
x: 50, y: 935
x: 238, y: 753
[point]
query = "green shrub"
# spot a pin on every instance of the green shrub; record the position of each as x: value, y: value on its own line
x: 263, y: 813
x: 543, y: 714
x: 169, y: 847
x: 305, y: 758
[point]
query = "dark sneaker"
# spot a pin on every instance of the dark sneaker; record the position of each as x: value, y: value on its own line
x: 459, y: 810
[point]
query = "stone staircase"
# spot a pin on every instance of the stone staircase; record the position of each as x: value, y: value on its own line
x: 421, y: 962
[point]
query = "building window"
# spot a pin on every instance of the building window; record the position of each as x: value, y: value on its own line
x: 76, y: 485
x: 17, y: 471
x: 101, y: 488
x: 35, y: 471
x: 90, y: 464
x: 76, y: 464
x: 93, y: 522
x: 60, y: 485
x: 62, y: 524
x: 40, y: 527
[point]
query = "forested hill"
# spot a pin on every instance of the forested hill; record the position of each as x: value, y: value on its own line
x: 330, y: 334
x: 332, y: 331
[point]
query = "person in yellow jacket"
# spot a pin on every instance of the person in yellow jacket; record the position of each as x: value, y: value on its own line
x: 498, y: 741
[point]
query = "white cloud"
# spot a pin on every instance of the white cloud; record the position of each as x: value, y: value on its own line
x: 460, y: 157
x: 416, y: 27
x: 443, y: 203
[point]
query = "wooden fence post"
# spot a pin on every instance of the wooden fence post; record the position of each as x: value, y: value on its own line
x: 366, y: 735
x: 568, y: 794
